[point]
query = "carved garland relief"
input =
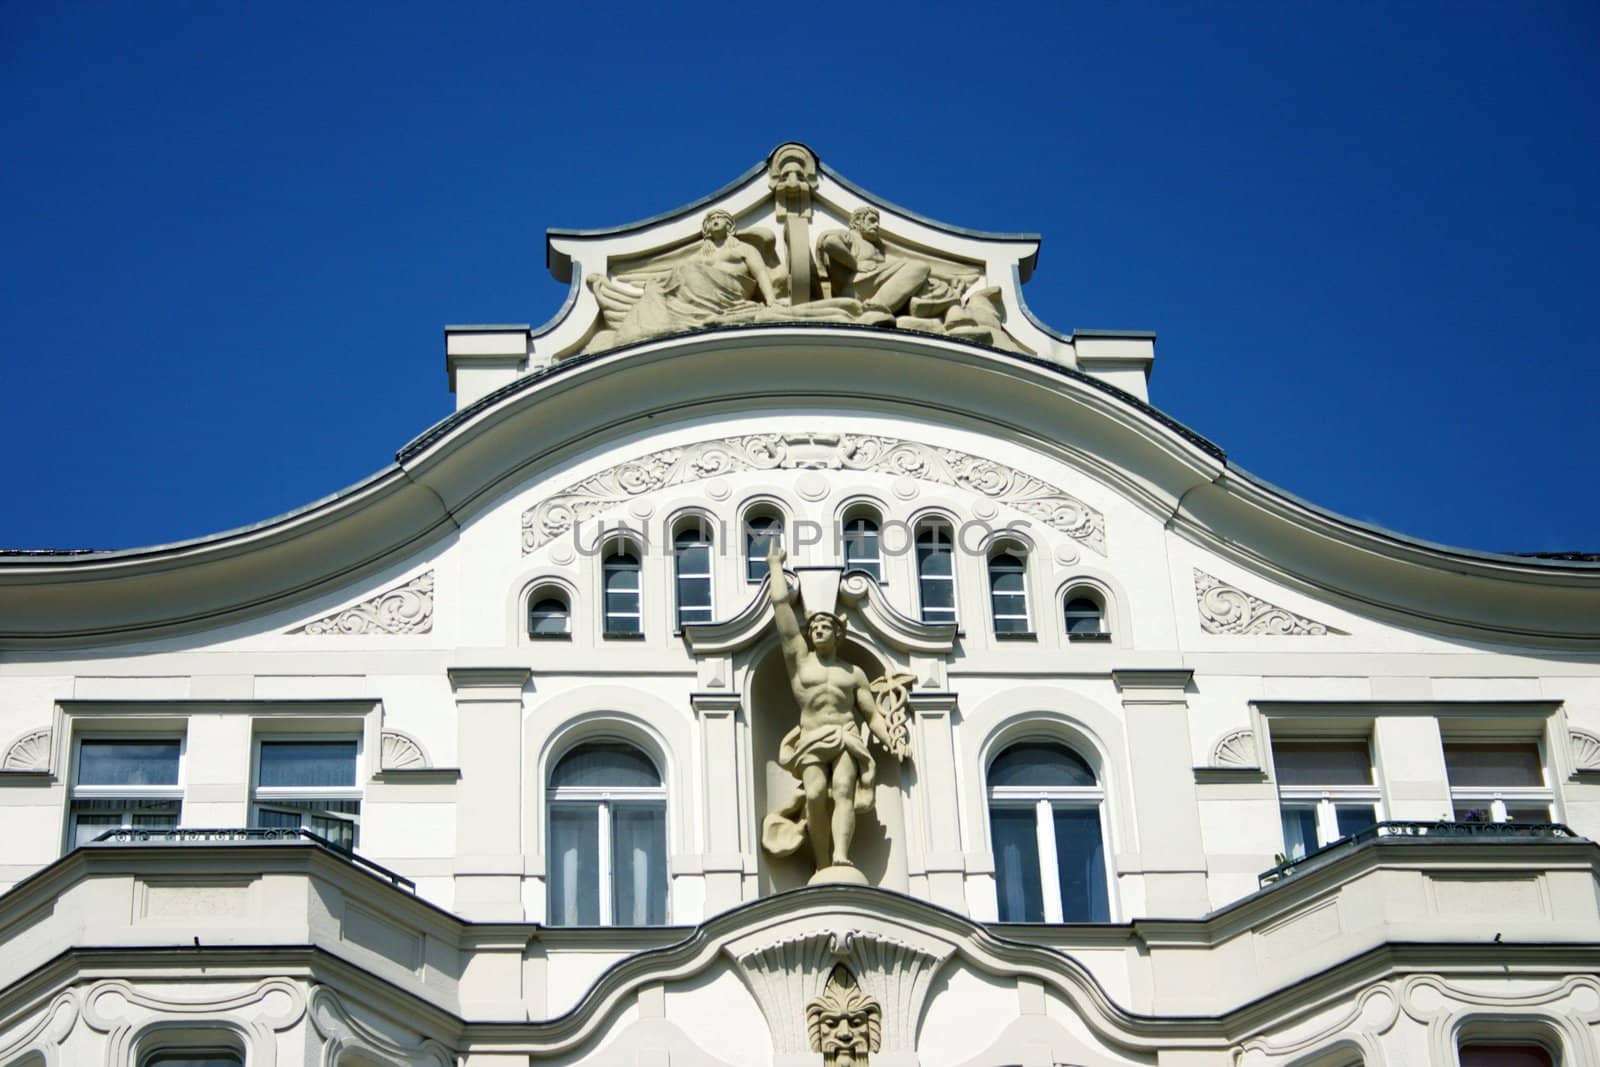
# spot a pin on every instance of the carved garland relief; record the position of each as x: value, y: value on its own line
x: 1227, y: 610
x: 405, y: 609
x: 558, y: 515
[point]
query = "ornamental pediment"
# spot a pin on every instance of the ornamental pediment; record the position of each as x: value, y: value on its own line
x: 791, y: 242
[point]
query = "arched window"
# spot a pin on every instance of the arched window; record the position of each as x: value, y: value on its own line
x: 1085, y: 616
x: 548, y: 614
x: 862, y: 551
x: 762, y: 530
x: 1008, y: 593
x: 620, y: 578
x: 691, y: 555
x: 936, y: 574
x: 608, y: 838
x: 193, y: 1057
x: 1044, y: 822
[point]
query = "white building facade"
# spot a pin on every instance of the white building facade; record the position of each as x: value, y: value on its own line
x: 471, y: 762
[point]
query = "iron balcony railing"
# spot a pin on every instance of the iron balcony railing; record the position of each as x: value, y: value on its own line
x: 1479, y: 831
x: 127, y: 835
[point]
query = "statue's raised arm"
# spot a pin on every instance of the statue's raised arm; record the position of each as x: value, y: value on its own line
x: 782, y: 597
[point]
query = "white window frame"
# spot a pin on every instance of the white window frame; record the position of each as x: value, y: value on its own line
x: 605, y: 798
x: 539, y: 596
x: 1327, y: 798
x: 916, y: 560
x: 631, y: 550
x: 1019, y: 554
x: 1044, y: 800
x: 1499, y: 798
x: 755, y: 567
x: 873, y: 565
x: 264, y: 796
x: 132, y: 793
x: 709, y: 575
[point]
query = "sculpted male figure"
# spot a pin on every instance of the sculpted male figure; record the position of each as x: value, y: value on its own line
x: 825, y: 751
x: 882, y: 282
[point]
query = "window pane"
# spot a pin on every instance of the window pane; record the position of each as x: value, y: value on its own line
x: 1492, y: 765
x: 1529, y: 814
x: 1083, y: 616
x: 1354, y: 818
x: 307, y: 764
x: 1039, y: 763
x: 1322, y: 762
x: 760, y: 533
x: 91, y: 818
x: 547, y: 617
x: 638, y: 865
x: 624, y: 603
x: 575, y: 865
x: 1016, y: 864
x: 1081, y: 865
x: 605, y: 765
x: 1482, y: 1055
x: 1299, y: 830
x: 128, y: 762
x: 938, y: 594
x: 861, y: 547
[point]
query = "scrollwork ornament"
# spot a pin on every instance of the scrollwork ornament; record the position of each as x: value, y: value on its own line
x: 405, y: 609
x: 1229, y: 611
x: 30, y: 752
x: 558, y: 515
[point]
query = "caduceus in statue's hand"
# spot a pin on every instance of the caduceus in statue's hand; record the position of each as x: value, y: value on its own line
x: 826, y: 751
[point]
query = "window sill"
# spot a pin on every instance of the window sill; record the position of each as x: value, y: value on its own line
x: 1102, y: 637
x: 624, y: 637
x: 1026, y: 635
x: 549, y: 637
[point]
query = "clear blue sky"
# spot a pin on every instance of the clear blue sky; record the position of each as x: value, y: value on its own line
x: 1365, y: 233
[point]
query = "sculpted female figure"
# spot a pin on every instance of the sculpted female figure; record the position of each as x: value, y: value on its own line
x: 826, y: 751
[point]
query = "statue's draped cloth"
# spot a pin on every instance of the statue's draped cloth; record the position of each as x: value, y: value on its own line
x: 783, y: 831
x: 698, y: 292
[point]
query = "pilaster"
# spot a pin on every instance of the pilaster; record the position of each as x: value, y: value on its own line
x: 935, y: 757
x: 1172, y: 855
x: 490, y: 800
x: 719, y: 759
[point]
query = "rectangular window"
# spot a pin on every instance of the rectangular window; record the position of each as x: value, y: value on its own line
x: 310, y: 785
x: 125, y: 782
x: 1326, y: 791
x: 1497, y: 781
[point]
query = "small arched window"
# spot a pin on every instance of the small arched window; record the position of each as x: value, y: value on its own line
x: 936, y: 574
x: 608, y: 838
x: 1085, y: 616
x: 762, y: 530
x: 691, y: 554
x: 549, y: 615
x: 620, y: 578
x: 862, y: 549
x: 1008, y: 593
x: 1044, y: 823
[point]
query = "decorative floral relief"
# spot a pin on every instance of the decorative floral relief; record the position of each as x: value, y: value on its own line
x: 402, y: 753
x: 1585, y: 750
x: 30, y: 752
x: 1226, y: 610
x: 1237, y: 748
x: 405, y: 609
x: 602, y: 492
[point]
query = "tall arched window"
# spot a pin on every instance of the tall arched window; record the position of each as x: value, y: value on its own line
x: 608, y: 838
x: 936, y: 573
x: 862, y: 550
x: 619, y: 575
x: 762, y: 529
x: 548, y: 614
x: 1008, y: 592
x: 1044, y: 822
x: 691, y: 554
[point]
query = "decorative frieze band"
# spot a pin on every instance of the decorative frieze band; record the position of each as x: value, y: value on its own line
x: 600, y: 493
x: 405, y: 609
x: 1225, y: 609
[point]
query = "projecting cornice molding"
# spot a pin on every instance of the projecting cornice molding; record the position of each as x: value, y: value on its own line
x: 1227, y: 610
x: 599, y: 494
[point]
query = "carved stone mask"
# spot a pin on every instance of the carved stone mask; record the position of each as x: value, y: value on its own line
x: 844, y: 1023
